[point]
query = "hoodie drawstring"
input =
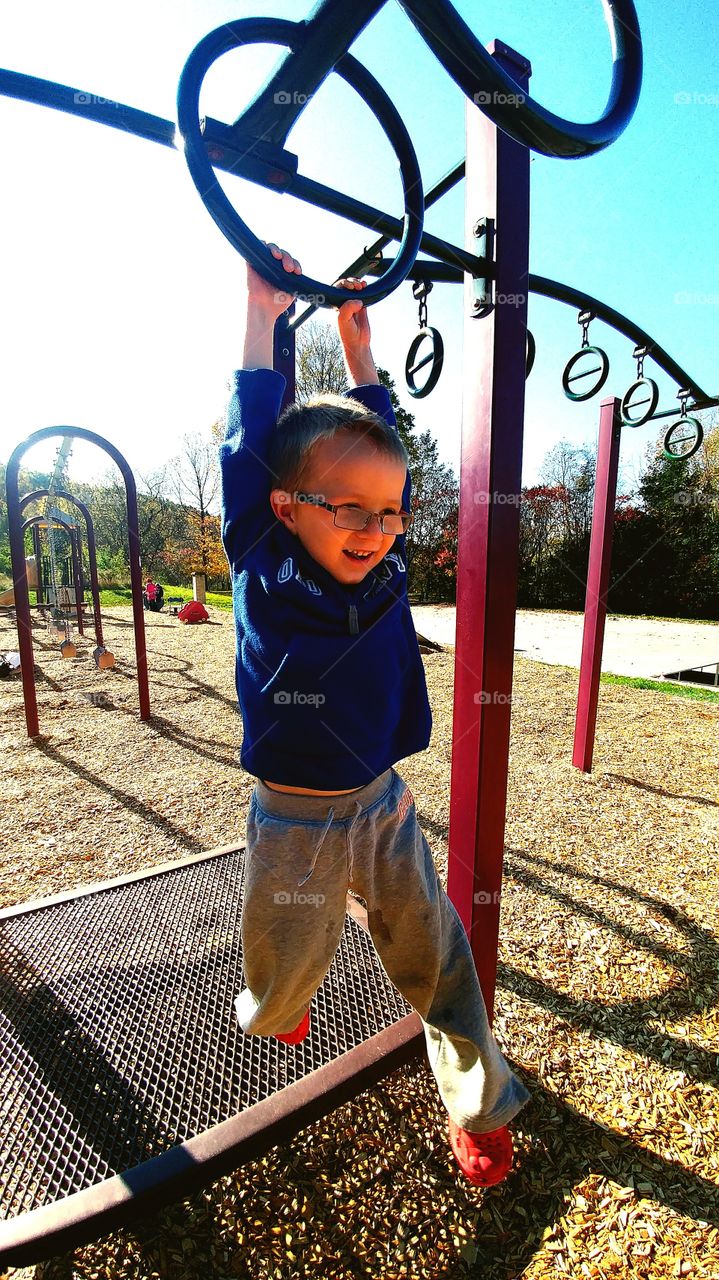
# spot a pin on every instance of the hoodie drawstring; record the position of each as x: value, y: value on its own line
x: 320, y: 842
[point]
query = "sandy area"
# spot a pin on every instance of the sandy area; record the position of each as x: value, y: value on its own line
x: 607, y: 983
x: 647, y: 647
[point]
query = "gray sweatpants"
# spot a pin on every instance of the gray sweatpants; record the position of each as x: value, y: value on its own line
x: 370, y: 841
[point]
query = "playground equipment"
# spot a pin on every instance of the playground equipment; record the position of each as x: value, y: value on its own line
x: 52, y: 597
x: 140, y: 1133
x: 16, y: 529
x: 420, y: 289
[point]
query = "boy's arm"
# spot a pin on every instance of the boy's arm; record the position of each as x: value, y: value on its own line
x: 355, y: 336
x: 365, y: 386
x: 251, y: 418
x: 264, y: 304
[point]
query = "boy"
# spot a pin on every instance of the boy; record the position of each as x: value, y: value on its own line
x: 332, y: 691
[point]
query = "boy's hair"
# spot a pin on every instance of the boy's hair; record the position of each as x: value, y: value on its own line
x: 302, y: 428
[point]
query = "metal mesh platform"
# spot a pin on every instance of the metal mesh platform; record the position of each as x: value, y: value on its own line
x: 118, y: 1038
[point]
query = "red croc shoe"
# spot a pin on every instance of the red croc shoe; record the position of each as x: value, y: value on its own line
x: 299, y: 1033
x: 484, y: 1158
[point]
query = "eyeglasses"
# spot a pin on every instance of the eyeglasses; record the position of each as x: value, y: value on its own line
x: 346, y: 517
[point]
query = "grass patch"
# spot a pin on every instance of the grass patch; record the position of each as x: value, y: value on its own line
x: 664, y: 686
x: 123, y: 596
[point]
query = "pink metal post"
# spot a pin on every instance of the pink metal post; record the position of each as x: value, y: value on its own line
x: 497, y: 188
x: 600, y: 560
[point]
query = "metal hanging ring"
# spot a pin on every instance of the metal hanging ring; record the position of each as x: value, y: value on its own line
x: 531, y: 352
x: 436, y: 356
x: 602, y: 369
x: 652, y: 400
x: 508, y: 104
x: 690, y: 432
x: 291, y: 35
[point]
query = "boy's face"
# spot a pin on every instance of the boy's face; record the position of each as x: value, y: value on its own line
x: 345, y: 470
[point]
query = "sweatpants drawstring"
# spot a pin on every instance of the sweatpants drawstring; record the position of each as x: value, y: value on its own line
x: 350, y: 863
x: 320, y: 842
x: 328, y: 824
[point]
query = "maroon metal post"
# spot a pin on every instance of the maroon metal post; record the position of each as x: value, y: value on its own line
x: 600, y: 562
x: 19, y: 571
x: 37, y: 552
x: 77, y: 577
x: 283, y: 354
x: 497, y: 188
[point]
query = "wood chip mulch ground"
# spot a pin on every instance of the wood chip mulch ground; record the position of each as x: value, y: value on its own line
x: 607, y: 996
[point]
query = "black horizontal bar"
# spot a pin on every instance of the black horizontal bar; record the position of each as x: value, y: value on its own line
x: 444, y: 274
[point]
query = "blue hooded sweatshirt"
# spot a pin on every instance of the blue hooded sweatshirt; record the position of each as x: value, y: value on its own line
x: 329, y: 675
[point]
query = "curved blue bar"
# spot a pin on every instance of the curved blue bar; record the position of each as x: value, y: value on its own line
x: 477, y: 73
x: 292, y: 34
x: 88, y: 106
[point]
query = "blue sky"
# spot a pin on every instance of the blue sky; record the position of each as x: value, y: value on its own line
x: 122, y: 302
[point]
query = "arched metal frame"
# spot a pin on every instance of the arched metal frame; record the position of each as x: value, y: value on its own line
x: 19, y: 572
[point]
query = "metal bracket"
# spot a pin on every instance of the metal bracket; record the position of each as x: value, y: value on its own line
x: 250, y: 158
x: 482, y: 286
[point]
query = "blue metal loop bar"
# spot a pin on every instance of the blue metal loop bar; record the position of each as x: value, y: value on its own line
x: 506, y: 103
x: 333, y: 25
x: 275, y: 31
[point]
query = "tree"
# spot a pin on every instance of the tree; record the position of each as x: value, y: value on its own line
x: 320, y: 361
x: 432, y: 536
x: 571, y: 472
x: 196, y: 477
x: 200, y: 549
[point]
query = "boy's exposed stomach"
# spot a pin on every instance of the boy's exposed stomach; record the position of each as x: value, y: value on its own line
x: 306, y: 791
